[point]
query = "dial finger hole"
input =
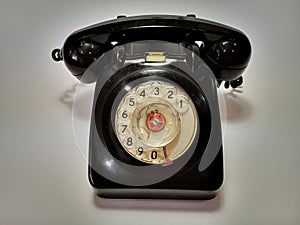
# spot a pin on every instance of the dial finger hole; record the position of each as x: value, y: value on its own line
x: 123, y: 114
x: 156, y: 90
x: 129, y: 142
x: 142, y: 92
x: 130, y: 101
x: 182, y: 104
x: 170, y: 93
x: 123, y: 129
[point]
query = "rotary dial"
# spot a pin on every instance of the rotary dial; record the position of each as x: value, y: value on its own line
x: 156, y: 122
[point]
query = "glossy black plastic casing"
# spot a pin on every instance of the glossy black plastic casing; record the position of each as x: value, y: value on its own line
x: 225, y: 50
x: 188, y: 182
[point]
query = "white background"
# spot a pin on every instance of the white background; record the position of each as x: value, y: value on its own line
x: 43, y: 176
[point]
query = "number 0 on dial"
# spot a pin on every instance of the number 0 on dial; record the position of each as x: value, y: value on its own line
x: 156, y: 122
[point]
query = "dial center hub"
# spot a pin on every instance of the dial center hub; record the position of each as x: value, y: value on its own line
x: 155, y: 121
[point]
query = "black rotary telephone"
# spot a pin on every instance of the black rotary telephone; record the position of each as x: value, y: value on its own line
x: 155, y: 126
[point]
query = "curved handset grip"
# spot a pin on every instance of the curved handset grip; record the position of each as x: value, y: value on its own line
x: 225, y: 50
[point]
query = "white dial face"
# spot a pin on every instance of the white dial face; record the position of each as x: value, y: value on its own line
x: 156, y: 122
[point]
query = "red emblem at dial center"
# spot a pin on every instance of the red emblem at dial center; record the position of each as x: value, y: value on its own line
x: 155, y: 121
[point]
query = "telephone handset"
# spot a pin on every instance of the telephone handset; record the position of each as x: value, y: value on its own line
x: 155, y: 125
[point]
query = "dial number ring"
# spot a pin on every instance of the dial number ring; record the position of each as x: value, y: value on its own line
x: 156, y: 122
